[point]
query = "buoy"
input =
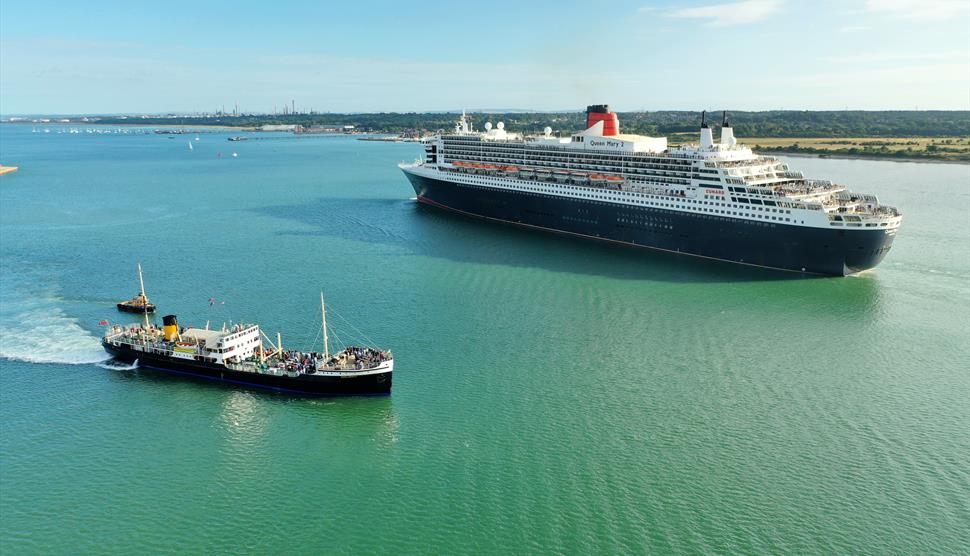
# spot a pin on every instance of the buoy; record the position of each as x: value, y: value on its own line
x: 234, y: 155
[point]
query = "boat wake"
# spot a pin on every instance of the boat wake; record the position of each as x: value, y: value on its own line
x: 112, y: 365
x: 47, y: 335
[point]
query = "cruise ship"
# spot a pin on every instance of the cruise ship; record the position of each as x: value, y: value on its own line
x: 716, y: 200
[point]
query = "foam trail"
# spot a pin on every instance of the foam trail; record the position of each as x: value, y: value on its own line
x: 47, y: 335
x: 114, y: 366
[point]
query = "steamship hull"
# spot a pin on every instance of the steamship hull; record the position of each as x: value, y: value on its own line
x: 372, y: 384
x: 811, y: 250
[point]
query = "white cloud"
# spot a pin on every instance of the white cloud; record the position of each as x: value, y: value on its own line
x: 937, y: 86
x: 896, y: 57
x: 738, y: 13
x: 853, y: 28
x: 919, y: 9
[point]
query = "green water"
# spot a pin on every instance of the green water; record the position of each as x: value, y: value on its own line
x: 550, y: 395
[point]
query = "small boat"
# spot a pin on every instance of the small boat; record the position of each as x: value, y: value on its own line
x: 236, y: 138
x: 614, y: 182
x: 138, y: 304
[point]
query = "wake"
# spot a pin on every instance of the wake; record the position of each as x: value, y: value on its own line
x: 47, y: 335
x: 116, y: 366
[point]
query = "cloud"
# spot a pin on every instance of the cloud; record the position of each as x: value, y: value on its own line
x: 853, y: 28
x: 937, y: 86
x: 872, y: 58
x: 738, y: 13
x: 926, y: 10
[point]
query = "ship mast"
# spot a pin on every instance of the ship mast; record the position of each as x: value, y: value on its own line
x: 323, y: 312
x: 141, y: 281
x: 144, y: 298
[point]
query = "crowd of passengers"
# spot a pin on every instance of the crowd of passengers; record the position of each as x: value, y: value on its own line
x: 351, y: 358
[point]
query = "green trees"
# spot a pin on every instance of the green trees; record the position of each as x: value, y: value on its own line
x: 773, y: 123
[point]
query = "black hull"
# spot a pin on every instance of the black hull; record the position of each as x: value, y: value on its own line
x: 134, y: 309
x: 302, y: 385
x: 835, y: 252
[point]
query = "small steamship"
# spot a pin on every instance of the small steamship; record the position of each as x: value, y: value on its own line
x: 237, y: 355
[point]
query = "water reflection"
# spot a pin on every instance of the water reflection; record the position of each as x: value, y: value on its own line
x: 410, y: 228
x: 372, y: 418
x: 242, y: 416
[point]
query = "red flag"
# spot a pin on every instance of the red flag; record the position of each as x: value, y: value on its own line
x: 103, y: 323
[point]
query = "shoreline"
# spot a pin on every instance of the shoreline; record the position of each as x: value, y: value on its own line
x: 133, y: 124
x: 864, y: 157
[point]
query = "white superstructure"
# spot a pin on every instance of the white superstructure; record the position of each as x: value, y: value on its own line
x: 722, y: 178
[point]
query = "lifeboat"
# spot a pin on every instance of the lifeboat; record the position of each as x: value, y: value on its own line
x: 543, y: 174
x: 579, y: 178
x: 614, y: 182
x: 526, y: 173
x: 597, y: 179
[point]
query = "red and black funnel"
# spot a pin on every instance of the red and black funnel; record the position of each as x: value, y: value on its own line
x: 601, y: 113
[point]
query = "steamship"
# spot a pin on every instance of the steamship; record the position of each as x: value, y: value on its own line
x: 237, y: 355
x: 716, y: 200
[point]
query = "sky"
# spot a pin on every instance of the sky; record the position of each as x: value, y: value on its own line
x: 394, y: 56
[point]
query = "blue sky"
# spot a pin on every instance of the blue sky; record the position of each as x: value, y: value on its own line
x: 106, y: 57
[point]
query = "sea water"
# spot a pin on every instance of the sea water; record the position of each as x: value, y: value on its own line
x: 550, y: 395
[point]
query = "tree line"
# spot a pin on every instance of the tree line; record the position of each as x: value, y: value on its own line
x: 773, y: 123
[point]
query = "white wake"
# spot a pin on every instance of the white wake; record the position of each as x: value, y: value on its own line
x: 117, y: 366
x: 47, y: 335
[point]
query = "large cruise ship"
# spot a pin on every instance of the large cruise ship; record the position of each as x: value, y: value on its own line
x: 717, y: 200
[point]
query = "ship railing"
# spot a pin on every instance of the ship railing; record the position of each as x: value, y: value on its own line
x: 356, y: 367
x: 149, y: 347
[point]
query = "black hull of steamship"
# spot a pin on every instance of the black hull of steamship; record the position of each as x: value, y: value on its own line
x: 300, y: 385
x: 835, y: 252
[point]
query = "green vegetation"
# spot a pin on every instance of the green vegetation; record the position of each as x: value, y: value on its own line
x: 935, y: 148
x: 937, y: 135
x: 776, y: 123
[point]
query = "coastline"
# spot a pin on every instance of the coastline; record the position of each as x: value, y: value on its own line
x: 133, y: 124
x: 864, y: 157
